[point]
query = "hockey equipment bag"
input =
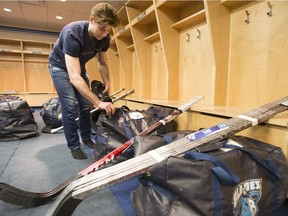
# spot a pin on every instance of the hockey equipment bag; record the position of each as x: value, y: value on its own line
x: 145, y: 143
x: 244, y: 176
x: 51, y: 113
x: 16, y: 119
x: 97, y: 88
x: 126, y: 124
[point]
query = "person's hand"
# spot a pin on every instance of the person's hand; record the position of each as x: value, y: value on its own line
x: 107, y: 87
x: 108, y: 107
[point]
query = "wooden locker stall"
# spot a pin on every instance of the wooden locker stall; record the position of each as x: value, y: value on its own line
x: 231, y: 52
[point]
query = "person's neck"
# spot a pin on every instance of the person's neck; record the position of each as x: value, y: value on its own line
x: 90, y: 34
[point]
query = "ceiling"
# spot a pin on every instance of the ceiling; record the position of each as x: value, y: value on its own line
x: 41, y: 14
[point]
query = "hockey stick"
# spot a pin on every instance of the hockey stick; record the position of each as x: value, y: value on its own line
x: 16, y: 196
x: 54, y: 130
x: 120, y: 90
x: 80, y: 189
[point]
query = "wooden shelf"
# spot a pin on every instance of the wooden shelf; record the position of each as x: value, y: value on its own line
x: 36, y: 52
x: 7, y: 45
x: 232, y: 4
x: 280, y: 120
x: 148, y: 26
x: 131, y: 47
x: 7, y: 50
x: 184, y: 13
x: 126, y: 37
x: 137, y: 9
x: 153, y: 37
x: 190, y: 21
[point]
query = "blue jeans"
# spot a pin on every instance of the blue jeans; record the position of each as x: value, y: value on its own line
x: 68, y: 95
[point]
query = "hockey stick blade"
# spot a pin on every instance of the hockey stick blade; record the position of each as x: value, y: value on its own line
x: 54, y: 130
x: 80, y: 189
x: 20, y: 197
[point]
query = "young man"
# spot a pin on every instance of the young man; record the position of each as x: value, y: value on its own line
x: 79, y: 42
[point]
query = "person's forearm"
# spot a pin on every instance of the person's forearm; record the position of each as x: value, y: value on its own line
x: 82, y: 87
x: 104, y: 70
x: 78, y: 82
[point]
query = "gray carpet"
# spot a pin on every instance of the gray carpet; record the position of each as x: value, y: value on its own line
x: 41, y: 163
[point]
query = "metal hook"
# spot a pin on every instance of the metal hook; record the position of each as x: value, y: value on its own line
x: 269, y: 13
x: 155, y: 48
x: 199, y: 34
x: 188, y: 37
x: 247, y: 20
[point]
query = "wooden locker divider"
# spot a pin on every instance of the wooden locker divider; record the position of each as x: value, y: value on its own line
x: 217, y: 15
x: 142, y: 27
x: 35, y: 56
x: 114, y: 65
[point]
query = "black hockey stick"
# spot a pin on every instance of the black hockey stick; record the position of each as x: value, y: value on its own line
x: 17, y: 196
x: 54, y: 130
x: 80, y: 189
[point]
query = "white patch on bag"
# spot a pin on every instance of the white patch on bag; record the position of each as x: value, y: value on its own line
x: 135, y: 115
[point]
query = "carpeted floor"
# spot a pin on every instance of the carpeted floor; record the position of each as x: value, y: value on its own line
x: 41, y: 163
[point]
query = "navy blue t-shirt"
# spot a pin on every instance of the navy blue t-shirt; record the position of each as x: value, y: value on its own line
x: 75, y: 41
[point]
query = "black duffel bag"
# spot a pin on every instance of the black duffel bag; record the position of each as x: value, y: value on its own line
x: 51, y: 113
x: 244, y: 177
x: 16, y: 119
x: 126, y: 123
x: 145, y: 143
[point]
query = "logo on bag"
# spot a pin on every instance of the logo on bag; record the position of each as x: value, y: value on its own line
x: 246, y: 197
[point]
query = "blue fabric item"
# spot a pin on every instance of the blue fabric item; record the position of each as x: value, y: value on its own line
x: 67, y: 97
x: 101, y: 139
x: 224, y: 174
x: 217, y: 195
x: 126, y: 126
x: 168, y: 194
x: 121, y: 192
x: 167, y: 138
x: 270, y: 168
x: 268, y: 164
x: 219, y: 173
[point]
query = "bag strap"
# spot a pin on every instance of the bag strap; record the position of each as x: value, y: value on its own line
x: 167, y: 138
x: 268, y: 164
x: 220, y: 173
x: 224, y: 174
x: 126, y: 125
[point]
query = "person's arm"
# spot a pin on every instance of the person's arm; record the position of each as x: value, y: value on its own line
x: 74, y: 71
x: 104, y: 70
